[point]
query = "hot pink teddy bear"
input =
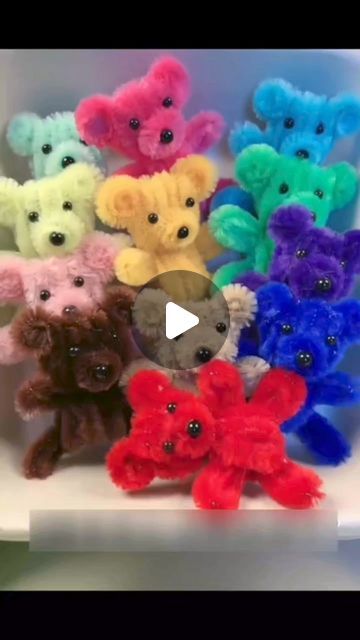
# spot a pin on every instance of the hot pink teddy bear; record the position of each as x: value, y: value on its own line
x: 58, y: 284
x: 144, y: 120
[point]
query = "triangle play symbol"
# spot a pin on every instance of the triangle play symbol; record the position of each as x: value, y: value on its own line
x: 178, y: 320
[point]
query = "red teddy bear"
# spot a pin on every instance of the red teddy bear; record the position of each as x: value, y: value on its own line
x: 144, y: 120
x: 175, y: 433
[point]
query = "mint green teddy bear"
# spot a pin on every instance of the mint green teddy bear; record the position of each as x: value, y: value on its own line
x: 275, y: 180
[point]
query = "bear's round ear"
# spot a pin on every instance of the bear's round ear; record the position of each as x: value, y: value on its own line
x: 20, y: 133
x: 347, y: 115
x: 173, y: 77
x: 352, y: 249
x: 220, y: 385
x: 9, y: 202
x: 83, y: 179
x: 11, y: 281
x: 98, y: 252
x: 33, y: 330
x: 146, y: 388
x: 273, y: 300
x: 150, y: 311
x: 118, y: 201
x: 255, y: 165
x: 94, y: 120
x: 289, y: 223
x: 346, y: 184
x: 272, y: 98
x: 119, y: 302
x: 201, y: 172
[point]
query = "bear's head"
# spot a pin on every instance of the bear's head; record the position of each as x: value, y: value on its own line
x: 313, y: 262
x: 144, y: 117
x: 52, y: 143
x: 301, y: 123
x: 79, y: 350
x: 51, y: 216
x: 61, y: 285
x: 276, y: 180
x: 161, y: 212
x: 306, y: 336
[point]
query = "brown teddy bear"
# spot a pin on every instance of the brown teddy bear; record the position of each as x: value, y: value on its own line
x: 81, y: 358
x: 162, y: 215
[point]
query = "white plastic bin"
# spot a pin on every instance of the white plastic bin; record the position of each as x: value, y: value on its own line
x: 54, y: 80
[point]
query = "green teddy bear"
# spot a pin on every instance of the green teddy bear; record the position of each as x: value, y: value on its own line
x: 275, y: 180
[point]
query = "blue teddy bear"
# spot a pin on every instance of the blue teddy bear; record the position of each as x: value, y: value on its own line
x: 310, y: 337
x: 298, y: 123
x: 51, y: 143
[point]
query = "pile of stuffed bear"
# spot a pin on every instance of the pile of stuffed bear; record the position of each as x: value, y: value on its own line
x: 261, y: 239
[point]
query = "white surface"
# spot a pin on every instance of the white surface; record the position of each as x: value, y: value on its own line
x: 178, y: 320
x: 27, y: 78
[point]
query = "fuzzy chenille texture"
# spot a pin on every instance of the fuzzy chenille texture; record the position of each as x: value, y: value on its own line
x: 59, y: 285
x: 176, y: 433
x: 81, y: 358
x: 314, y: 263
x: 51, y: 216
x: 311, y: 338
x: 162, y: 215
x: 51, y: 144
x: 144, y: 120
x: 276, y: 180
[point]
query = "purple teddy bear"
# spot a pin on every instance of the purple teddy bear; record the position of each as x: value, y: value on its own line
x: 313, y: 262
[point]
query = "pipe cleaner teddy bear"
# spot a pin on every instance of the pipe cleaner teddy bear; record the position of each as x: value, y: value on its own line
x: 314, y: 263
x: 311, y: 337
x: 144, y: 120
x: 276, y: 180
x: 52, y: 143
x: 216, y: 335
x: 52, y: 215
x: 76, y: 282
x: 80, y: 358
x: 162, y: 215
x: 175, y: 433
x: 297, y: 123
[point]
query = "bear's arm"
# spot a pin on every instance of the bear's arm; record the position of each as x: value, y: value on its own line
x: 235, y: 228
x: 203, y: 131
x: 135, y: 267
x: 243, y: 136
x: 207, y: 245
x: 336, y: 389
x: 37, y: 395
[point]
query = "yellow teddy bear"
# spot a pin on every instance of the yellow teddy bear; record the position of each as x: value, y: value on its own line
x: 162, y: 214
x: 52, y: 215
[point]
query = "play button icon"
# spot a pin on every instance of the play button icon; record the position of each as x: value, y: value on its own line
x: 178, y: 320
x: 176, y: 331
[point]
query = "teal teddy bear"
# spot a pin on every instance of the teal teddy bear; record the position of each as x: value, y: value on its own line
x: 51, y: 143
x: 275, y: 180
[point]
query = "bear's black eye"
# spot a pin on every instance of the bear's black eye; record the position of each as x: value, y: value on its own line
x: 67, y: 206
x: 221, y: 327
x: 286, y: 329
x: 78, y: 281
x: 320, y: 128
x: 74, y: 351
x: 190, y: 202
x: 194, y: 429
x: 319, y: 193
x: 331, y: 341
x: 83, y: 142
x: 45, y: 295
x: 167, y: 102
x: 33, y: 216
x: 289, y: 123
x: 134, y: 123
x: 301, y: 253
x: 46, y: 148
x: 343, y: 263
x: 153, y: 218
x: 171, y: 407
x: 284, y: 188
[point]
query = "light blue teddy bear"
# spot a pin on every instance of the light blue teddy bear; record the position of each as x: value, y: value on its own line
x: 297, y: 123
x: 52, y: 143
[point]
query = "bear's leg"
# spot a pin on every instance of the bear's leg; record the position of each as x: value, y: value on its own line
x: 326, y: 443
x: 219, y: 487
x: 42, y: 457
x: 293, y: 487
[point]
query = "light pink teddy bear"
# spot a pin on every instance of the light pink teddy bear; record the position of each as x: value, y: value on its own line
x: 58, y: 284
